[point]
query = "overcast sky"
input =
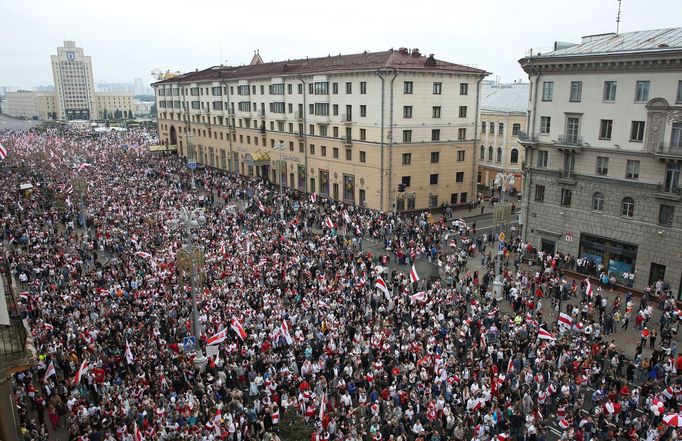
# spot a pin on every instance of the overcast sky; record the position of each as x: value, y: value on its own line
x: 129, y: 38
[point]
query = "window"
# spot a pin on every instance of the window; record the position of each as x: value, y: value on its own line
x: 277, y: 89
x: 545, y: 124
x: 679, y: 92
x: 539, y: 193
x: 637, y: 131
x: 516, y: 128
x: 433, y: 179
x: 363, y: 134
x: 363, y: 156
x: 598, y: 202
x: 363, y: 87
x: 514, y: 156
x: 566, y: 197
x: 335, y: 152
x: 676, y: 135
x: 573, y: 130
x: 407, y: 158
x: 242, y: 90
x: 482, y: 155
x: 407, y: 135
x: 335, y: 88
x: 492, y: 127
x: 672, y: 178
x: 547, y: 90
x: 321, y: 109
x: 300, y: 89
x: 490, y: 153
x: 542, y: 158
x: 349, y: 155
x: 460, y: 155
x: 463, y: 198
x: 461, y: 134
x: 433, y: 201
x: 435, y: 135
x: 323, y: 150
x: 436, y: 112
x: 605, y: 128
x: 349, y: 88
x: 641, y: 91
x: 576, y: 91
x: 632, y: 169
x: 482, y: 126
x: 405, y: 180
x: 464, y: 88
x: 628, y: 207
x: 459, y: 177
x: 323, y: 130
x: 437, y: 88
x: 602, y: 165
x: 665, y: 215
x: 335, y: 132
x: 453, y: 198
x: 435, y: 157
x: 363, y: 110
x: 609, y: 90
x: 407, y: 87
x: 499, y: 154
x: 321, y: 88
x: 462, y: 111
x: 407, y: 111
x: 312, y: 149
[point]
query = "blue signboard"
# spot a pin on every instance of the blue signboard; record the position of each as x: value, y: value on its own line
x: 192, y: 165
x: 189, y: 344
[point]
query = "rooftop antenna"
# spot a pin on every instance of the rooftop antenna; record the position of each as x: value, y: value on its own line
x: 618, y: 17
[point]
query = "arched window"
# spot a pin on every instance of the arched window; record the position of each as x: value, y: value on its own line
x: 598, y: 202
x: 500, y: 128
x: 514, y: 156
x: 516, y: 128
x: 490, y: 153
x: 482, y: 152
x: 628, y: 208
x: 499, y: 154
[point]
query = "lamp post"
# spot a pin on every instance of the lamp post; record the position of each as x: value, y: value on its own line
x: 280, y: 146
x: 500, y: 214
x: 191, y: 160
x: 190, y: 264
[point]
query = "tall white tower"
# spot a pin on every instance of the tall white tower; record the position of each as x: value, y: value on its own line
x: 74, y: 83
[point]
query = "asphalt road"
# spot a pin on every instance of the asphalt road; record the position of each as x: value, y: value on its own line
x: 10, y: 123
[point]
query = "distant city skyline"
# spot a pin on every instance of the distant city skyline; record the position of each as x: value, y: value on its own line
x: 125, y: 46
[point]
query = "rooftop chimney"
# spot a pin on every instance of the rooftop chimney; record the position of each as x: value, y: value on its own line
x: 403, y: 50
x: 415, y: 52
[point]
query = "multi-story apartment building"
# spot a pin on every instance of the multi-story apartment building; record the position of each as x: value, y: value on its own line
x: 603, y: 153
x: 503, y: 117
x: 348, y: 127
x: 73, y: 82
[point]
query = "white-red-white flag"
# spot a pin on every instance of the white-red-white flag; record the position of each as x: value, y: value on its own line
x: 589, y: 290
x: 565, y: 320
x: 328, y: 222
x: 237, y: 327
x: 275, y: 417
x: 284, y: 329
x: 418, y: 297
x: 542, y: 334
x: 222, y: 248
x: 313, y: 197
x: 346, y: 217
x: 414, y: 277
x: 68, y: 201
x: 50, y: 371
x: 382, y: 286
x: 143, y: 255
x: 217, y: 338
x: 129, y: 354
x: 261, y: 207
x: 3, y: 152
x: 323, y: 406
x: 82, y: 165
x: 137, y: 433
x: 81, y: 370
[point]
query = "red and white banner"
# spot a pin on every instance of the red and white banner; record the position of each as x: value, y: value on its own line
x: 323, y: 406
x: 382, y: 286
x: 328, y: 222
x: 237, y: 327
x: 81, y: 370
x: 284, y: 329
x: 129, y: 354
x: 143, y: 255
x: 414, y: 277
x: 217, y: 338
x: 50, y: 371
x: 565, y: 320
x: 3, y: 152
x: 544, y: 335
x: 418, y: 297
x: 313, y: 197
x: 589, y: 290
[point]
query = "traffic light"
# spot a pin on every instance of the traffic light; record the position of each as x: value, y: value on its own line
x: 401, y: 187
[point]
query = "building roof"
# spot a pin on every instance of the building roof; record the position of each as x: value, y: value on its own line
x: 400, y: 59
x: 628, y: 42
x: 504, y: 97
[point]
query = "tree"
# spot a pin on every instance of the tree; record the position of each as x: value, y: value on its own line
x: 131, y: 114
x: 118, y: 114
x: 152, y: 110
x: 104, y: 114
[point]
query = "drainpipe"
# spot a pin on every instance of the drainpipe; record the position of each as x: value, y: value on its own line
x: 390, y: 144
x: 229, y: 122
x: 474, y: 163
x: 305, y: 138
x: 381, y: 176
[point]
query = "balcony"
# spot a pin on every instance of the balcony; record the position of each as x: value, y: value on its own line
x: 346, y: 118
x: 347, y: 141
x: 567, y: 177
x: 15, y: 354
x: 668, y: 193
x: 667, y: 150
x: 528, y: 138
x: 570, y: 140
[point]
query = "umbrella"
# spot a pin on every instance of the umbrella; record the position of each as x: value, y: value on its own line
x: 674, y: 420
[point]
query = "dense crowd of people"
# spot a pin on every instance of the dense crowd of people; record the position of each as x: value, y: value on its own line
x: 302, y: 327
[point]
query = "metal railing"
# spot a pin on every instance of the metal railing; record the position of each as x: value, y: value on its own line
x: 12, y: 336
x: 669, y: 148
x: 571, y: 139
x: 523, y: 136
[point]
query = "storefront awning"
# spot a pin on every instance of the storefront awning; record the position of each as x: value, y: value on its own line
x: 258, y: 158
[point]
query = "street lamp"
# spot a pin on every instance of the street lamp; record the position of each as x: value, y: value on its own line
x: 500, y: 214
x: 190, y: 264
x: 280, y: 146
x: 191, y: 161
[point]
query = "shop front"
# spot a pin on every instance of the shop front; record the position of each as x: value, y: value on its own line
x: 614, y: 257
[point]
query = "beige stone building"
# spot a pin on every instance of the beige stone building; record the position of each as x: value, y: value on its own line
x: 503, y: 116
x: 33, y: 105
x: 74, y: 83
x: 350, y: 127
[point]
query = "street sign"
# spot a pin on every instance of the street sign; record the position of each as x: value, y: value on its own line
x: 501, y: 237
x: 569, y: 237
x: 192, y: 165
x: 189, y: 344
x: 500, y: 247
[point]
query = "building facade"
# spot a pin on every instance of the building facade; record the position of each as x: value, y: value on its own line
x: 32, y: 105
x: 503, y: 117
x: 74, y: 83
x: 348, y: 127
x: 603, y: 154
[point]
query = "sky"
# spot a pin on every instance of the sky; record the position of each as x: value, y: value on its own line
x: 128, y: 39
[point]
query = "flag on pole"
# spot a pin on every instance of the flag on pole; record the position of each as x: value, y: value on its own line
x: 143, y: 255
x: 589, y: 288
x: 284, y: 329
x: 81, y: 370
x: 418, y: 297
x: 346, y: 217
x: 510, y: 365
x: 565, y: 321
x: 323, y: 406
x: 382, y: 285
x: 238, y: 329
x: 328, y: 222
x: 129, y: 354
x: 217, y: 338
x: 544, y: 335
x: 313, y: 197
x: 414, y: 277
x: 50, y: 371
x: 3, y: 152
